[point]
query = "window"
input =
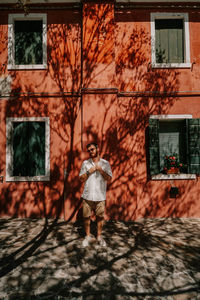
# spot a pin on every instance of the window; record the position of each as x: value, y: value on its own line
x: 27, y: 41
x: 169, y: 134
x: 170, y: 40
x: 27, y: 149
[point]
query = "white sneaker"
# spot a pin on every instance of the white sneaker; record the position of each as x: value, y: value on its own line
x: 86, y: 241
x: 101, y: 241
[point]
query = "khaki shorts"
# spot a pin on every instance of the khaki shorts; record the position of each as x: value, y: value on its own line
x: 97, y: 206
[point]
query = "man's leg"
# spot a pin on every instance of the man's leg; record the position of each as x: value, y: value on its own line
x: 100, y: 222
x: 100, y: 209
x: 87, y: 211
x: 86, y: 215
x: 87, y: 226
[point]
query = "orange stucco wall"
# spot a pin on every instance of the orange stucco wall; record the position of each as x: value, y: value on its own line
x: 95, y: 55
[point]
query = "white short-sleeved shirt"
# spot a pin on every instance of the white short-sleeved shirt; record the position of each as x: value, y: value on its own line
x: 95, y: 186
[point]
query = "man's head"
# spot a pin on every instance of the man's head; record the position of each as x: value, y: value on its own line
x: 93, y: 150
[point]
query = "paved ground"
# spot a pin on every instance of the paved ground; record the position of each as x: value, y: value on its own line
x: 147, y: 259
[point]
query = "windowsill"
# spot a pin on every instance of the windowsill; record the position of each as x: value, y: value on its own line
x: 27, y: 178
x: 27, y: 67
x: 172, y: 65
x: 182, y: 176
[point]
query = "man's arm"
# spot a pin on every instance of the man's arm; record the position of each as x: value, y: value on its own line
x: 103, y: 173
x: 85, y: 176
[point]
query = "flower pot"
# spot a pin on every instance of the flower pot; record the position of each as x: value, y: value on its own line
x: 173, y: 170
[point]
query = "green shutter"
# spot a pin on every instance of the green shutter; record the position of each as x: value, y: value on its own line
x: 28, y: 42
x: 154, y: 146
x: 169, y: 41
x: 193, y: 131
x: 28, y: 148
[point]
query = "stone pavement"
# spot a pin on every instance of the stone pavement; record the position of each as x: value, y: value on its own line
x: 147, y: 259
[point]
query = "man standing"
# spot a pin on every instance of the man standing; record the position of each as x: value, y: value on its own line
x: 95, y: 172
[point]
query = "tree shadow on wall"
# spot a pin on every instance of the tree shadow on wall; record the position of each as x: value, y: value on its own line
x: 50, y: 93
x: 97, y: 45
x: 123, y: 142
x: 142, y: 91
x: 55, y: 93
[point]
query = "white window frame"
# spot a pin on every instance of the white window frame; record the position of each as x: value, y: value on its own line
x: 172, y: 176
x: 184, y: 16
x: 5, y: 86
x: 9, y: 149
x: 11, y: 40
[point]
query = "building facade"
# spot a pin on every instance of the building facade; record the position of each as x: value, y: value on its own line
x: 124, y: 74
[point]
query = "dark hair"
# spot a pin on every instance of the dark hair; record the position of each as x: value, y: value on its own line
x: 90, y: 144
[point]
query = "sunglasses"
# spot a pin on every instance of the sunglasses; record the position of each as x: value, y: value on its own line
x: 92, y: 149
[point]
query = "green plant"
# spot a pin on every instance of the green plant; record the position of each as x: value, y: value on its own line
x: 172, y: 161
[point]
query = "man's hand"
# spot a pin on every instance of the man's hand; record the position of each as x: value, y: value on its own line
x: 98, y: 167
x: 93, y: 169
x: 85, y: 176
x: 102, y: 172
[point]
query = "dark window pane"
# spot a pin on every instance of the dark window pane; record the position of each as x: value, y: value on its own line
x: 169, y: 41
x: 28, y: 42
x: 169, y: 24
x: 29, y: 148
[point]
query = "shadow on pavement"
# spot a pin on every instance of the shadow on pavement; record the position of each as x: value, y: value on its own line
x: 147, y: 259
